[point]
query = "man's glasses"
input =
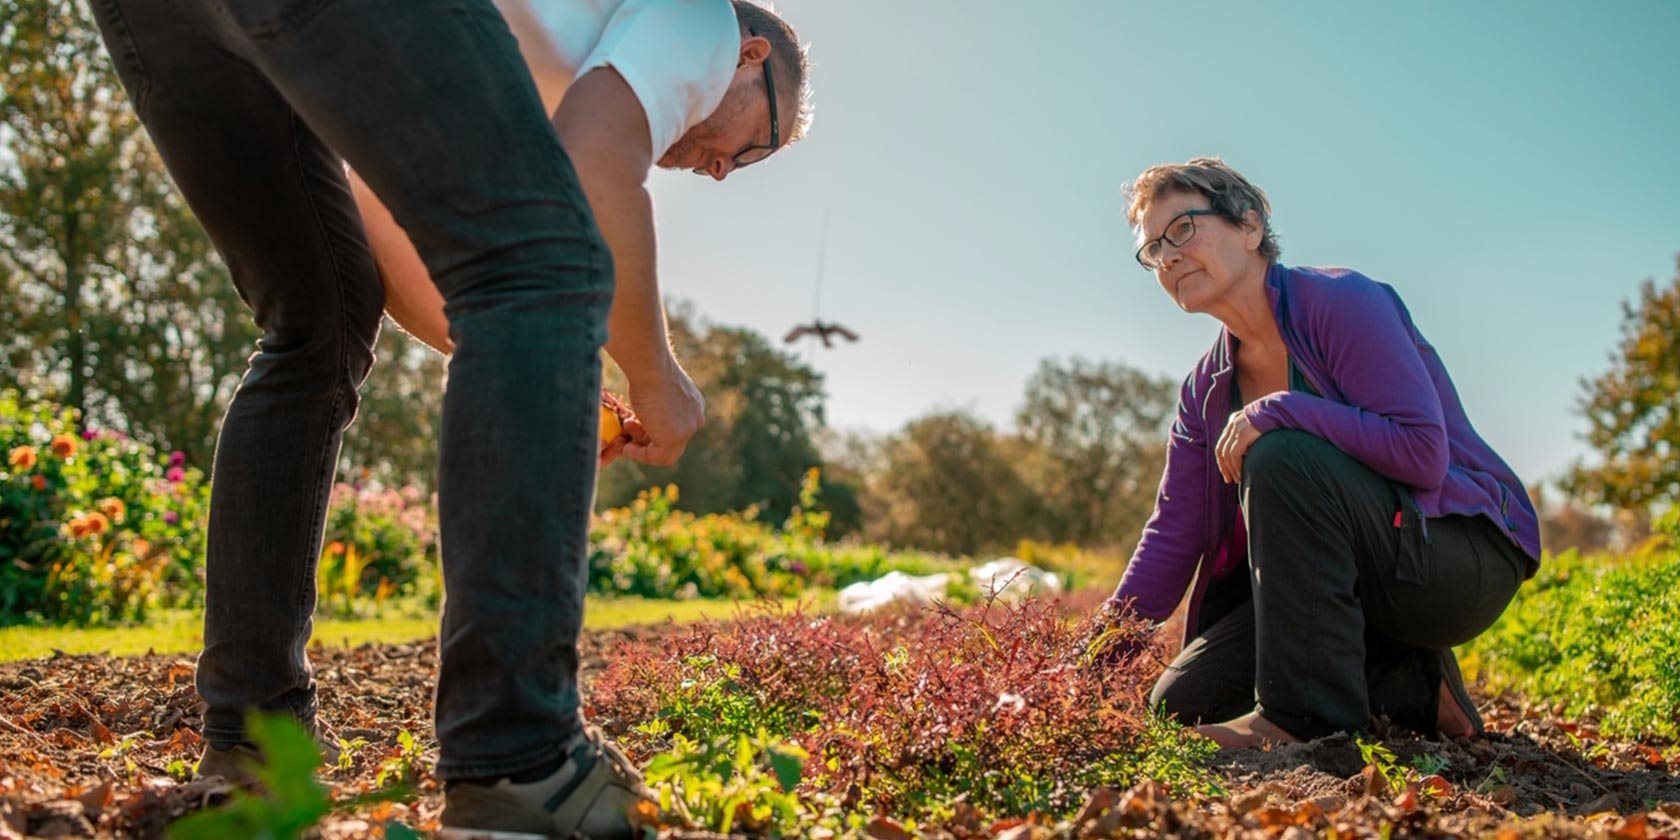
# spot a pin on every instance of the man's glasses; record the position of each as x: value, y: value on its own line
x: 1178, y: 232
x: 755, y: 152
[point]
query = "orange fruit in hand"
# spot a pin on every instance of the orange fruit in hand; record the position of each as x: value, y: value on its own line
x: 614, y: 414
x: 611, y: 426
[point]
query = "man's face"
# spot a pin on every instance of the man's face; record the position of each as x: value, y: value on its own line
x: 742, y: 121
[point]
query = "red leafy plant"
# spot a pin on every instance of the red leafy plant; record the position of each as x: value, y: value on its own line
x: 914, y: 712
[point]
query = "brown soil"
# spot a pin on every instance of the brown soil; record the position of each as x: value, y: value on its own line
x: 88, y: 745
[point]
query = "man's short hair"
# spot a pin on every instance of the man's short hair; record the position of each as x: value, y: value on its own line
x: 788, y: 60
x: 1228, y: 193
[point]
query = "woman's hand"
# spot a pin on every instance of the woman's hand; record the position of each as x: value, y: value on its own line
x: 1113, y: 637
x: 1233, y: 444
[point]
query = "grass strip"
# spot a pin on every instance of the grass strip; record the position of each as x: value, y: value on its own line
x: 182, y: 631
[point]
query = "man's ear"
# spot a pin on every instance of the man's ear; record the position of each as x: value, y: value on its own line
x: 755, y: 49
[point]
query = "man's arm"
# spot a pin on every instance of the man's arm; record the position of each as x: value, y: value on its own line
x: 411, y: 299
x: 605, y: 133
x: 551, y: 71
x: 604, y: 130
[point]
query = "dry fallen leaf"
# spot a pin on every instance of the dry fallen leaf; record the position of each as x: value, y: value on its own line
x: 884, y: 828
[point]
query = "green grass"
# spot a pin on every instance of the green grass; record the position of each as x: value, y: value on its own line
x: 182, y: 631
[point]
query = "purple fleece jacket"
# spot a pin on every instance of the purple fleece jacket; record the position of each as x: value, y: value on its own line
x: 1387, y: 401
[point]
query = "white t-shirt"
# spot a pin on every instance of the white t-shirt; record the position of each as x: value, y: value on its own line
x: 678, y: 56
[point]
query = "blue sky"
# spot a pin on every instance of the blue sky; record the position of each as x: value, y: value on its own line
x: 1511, y: 168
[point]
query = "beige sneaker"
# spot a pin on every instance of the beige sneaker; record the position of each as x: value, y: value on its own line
x: 596, y: 794
x: 238, y: 765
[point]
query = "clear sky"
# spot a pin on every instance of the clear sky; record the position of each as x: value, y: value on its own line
x: 1511, y: 168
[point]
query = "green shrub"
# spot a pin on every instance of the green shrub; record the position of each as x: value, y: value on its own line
x: 741, y: 784
x: 1597, y: 634
x: 653, y: 550
x: 98, y: 528
x: 94, y: 527
x: 380, y: 542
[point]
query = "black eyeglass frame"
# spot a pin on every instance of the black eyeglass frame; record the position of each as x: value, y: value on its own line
x: 775, y: 122
x: 1138, y: 255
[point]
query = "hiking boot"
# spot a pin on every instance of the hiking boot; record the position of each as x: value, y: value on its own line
x: 238, y: 764
x: 1456, y: 716
x: 596, y: 794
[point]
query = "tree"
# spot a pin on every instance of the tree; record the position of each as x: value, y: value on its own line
x: 1097, y: 435
x: 849, y: 459
x: 945, y: 483
x: 1633, y: 409
x: 763, y: 410
x: 114, y: 300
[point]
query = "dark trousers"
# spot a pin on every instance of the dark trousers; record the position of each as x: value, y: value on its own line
x: 251, y: 105
x: 1342, y: 613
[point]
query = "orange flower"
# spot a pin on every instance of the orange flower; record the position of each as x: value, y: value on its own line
x: 97, y: 523
x: 335, y: 548
x: 89, y: 525
x: 64, y: 445
x: 40, y: 482
x: 22, y: 457
x: 112, y: 507
x: 141, y: 548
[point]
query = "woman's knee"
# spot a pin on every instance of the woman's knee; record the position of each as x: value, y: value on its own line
x: 1284, y: 456
x: 1193, y: 701
x: 1171, y: 697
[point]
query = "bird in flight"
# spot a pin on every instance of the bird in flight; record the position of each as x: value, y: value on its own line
x: 822, y: 330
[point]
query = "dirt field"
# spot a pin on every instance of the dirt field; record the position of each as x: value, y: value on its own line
x: 87, y: 744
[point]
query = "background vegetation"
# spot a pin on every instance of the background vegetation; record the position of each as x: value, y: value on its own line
x: 1594, y: 634
x: 125, y: 327
x: 126, y: 339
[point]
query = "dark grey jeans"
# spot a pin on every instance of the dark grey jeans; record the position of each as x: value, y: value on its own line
x: 1342, y: 613
x: 251, y: 104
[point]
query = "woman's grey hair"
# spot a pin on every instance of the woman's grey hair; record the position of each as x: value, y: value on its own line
x: 1229, y: 194
x: 788, y: 60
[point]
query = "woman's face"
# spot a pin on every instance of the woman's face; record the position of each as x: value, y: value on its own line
x: 1202, y: 271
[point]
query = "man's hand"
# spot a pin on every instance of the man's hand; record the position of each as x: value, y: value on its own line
x: 669, y: 410
x: 612, y: 451
x: 1233, y: 444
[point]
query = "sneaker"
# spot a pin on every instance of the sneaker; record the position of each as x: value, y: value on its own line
x: 238, y: 764
x: 1456, y: 715
x: 595, y: 794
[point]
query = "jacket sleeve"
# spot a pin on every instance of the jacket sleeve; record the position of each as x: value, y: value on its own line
x: 1165, y: 559
x: 1393, y: 421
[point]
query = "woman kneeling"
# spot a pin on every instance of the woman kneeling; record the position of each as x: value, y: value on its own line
x: 1343, y: 523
